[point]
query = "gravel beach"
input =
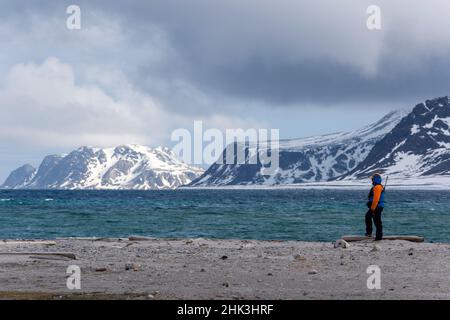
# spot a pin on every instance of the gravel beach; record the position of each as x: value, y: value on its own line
x: 222, y: 269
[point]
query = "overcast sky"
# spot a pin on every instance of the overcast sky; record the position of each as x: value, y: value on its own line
x: 136, y: 70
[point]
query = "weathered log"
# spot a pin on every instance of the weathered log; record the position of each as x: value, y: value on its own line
x: 15, y: 242
x: 139, y: 239
x: 78, y: 238
x: 42, y: 255
x: 406, y: 238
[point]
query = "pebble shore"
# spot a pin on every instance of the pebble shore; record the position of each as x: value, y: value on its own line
x: 140, y: 268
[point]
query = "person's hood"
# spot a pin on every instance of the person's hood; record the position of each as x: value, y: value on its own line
x: 376, y: 179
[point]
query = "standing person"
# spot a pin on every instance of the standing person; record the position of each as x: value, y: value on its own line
x: 376, y: 205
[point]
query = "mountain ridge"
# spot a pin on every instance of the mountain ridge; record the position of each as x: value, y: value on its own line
x: 405, y: 144
x: 418, y: 146
x: 121, y: 167
x: 310, y: 159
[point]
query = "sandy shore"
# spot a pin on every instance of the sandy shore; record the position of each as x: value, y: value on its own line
x: 223, y: 269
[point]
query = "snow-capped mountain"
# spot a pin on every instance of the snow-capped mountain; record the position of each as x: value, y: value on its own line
x: 20, y: 177
x: 122, y: 167
x: 312, y: 159
x: 419, y: 146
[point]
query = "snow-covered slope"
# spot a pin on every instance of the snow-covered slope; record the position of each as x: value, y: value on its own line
x: 122, y: 167
x: 312, y: 159
x: 20, y: 177
x: 419, y: 146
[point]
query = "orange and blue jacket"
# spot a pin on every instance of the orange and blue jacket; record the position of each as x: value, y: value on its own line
x: 376, y: 196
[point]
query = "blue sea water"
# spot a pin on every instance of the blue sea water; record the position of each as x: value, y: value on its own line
x: 309, y: 215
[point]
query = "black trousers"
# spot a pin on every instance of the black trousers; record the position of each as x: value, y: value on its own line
x: 376, y: 216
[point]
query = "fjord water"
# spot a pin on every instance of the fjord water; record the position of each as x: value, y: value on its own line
x: 309, y: 215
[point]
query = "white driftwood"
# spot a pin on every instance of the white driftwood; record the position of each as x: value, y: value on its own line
x: 42, y: 255
x: 16, y: 242
x: 78, y: 238
x: 406, y: 238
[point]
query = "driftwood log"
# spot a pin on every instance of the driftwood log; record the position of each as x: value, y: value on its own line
x: 140, y: 239
x: 43, y: 255
x: 14, y: 242
x: 406, y: 238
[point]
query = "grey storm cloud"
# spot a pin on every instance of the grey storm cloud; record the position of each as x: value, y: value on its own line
x: 289, y: 52
x: 296, y: 52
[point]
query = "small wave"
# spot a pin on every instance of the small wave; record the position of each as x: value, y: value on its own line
x: 4, y: 200
x: 49, y: 199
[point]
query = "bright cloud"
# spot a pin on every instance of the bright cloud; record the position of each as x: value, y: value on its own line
x: 43, y: 104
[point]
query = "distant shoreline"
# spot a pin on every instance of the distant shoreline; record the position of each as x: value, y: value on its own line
x: 146, y: 238
x: 303, y: 186
x: 318, y: 187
